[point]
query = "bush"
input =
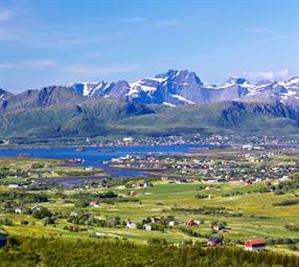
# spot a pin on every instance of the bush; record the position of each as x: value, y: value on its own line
x: 200, y: 196
x: 41, y: 212
x: 49, y: 220
x: 157, y: 241
x: 292, y: 227
x: 28, y: 251
x: 6, y: 222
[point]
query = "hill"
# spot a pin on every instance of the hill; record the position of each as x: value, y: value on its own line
x: 43, y: 118
x: 175, y: 102
x: 225, y: 117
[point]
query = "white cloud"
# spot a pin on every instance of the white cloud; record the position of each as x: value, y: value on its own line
x: 5, y: 14
x: 168, y: 23
x: 43, y: 63
x: 269, y: 75
x: 256, y: 29
x: 97, y: 70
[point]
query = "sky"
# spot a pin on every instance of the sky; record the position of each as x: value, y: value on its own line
x: 56, y: 42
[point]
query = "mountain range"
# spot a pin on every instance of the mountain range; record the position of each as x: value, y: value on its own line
x: 183, y: 87
x: 172, y: 88
x: 176, y: 102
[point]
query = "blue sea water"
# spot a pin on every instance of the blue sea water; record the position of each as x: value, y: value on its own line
x: 100, y: 156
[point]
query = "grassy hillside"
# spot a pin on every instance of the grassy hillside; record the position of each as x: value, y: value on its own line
x: 220, y: 118
x: 103, y: 117
x: 90, y: 118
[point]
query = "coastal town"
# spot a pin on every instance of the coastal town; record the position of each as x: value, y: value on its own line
x: 169, y: 140
x: 249, y: 164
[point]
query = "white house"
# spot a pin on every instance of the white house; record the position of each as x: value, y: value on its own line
x: 131, y: 225
x: 18, y: 210
x: 147, y: 227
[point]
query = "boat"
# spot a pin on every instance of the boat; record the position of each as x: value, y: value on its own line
x: 80, y: 149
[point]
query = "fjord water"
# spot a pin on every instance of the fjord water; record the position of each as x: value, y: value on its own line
x: 97, y: 156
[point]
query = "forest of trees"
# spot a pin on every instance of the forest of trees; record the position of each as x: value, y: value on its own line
x: 24, y: 251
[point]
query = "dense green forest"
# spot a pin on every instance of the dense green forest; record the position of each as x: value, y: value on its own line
x: 24, y: 251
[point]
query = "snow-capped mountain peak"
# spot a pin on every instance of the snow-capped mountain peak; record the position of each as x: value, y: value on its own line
x: 4, y: 95
x: 293, y: 82
x: 86, y: 88
x: 236, y: 80
x: 176, y: 87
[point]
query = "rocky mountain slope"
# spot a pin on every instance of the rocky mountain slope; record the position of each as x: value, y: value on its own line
x: 183, y: 87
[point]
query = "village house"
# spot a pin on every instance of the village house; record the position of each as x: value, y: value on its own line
x: 131, y: 225
x: 214, y: 241
x: 13, y: 185
x: 18, y: 210
x: 284, y: 178
x: 36, y: 208
x: 255, y: 245
x: 147, y: 227
x: 133, y: 194
x: 181, y: 181
x: 220, y: 226
x: 172, y: 223
x: 147, y: 184
x: 192, y: 222
x: 155, y: 220
x: 94, y: 204
x: 98, y: 234
x: 75, y: 228
x: 127, y: 140
x: 141, y: 184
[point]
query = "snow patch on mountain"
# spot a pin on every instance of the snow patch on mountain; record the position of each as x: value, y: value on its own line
x: 183, y: 99
x: 183, y: 87
x: 168, y: 104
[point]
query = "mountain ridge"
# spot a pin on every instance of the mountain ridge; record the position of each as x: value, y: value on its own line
x: 171, y: 103
x: 114, y: 117
x: 183, y: 87
x: 175, y: 87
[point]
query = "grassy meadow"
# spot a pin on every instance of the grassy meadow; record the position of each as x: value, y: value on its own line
x: 248, y: 214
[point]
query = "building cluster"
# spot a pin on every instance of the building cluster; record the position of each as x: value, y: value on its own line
x: 245, y: 166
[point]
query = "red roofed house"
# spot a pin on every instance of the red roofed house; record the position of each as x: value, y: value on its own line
x: 255, y: 245
x: 191, y: 222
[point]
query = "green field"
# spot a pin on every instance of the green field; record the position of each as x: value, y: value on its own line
x: 259, y: 218
x: 248, y: 214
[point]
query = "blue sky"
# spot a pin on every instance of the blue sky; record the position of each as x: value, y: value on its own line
x: 58, y: 42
